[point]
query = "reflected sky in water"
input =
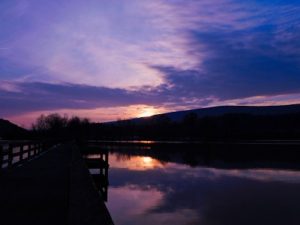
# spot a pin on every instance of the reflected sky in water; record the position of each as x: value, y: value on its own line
x: 134, y: 162
x: 145, y: 190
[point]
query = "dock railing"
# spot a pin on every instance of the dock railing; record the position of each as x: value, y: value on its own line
x: 15, y: 153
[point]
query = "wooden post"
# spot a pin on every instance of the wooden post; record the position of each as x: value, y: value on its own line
x: 10, y: 155
x: 1, y: 157
x: 37, y: 147
x: 21, y: 152
x: 40, y: 147
x: 43, y: 147
x: 107, y: 157
x: 106, y: 166
x: 29, y: 151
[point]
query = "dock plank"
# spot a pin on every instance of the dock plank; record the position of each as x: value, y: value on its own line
x: 42, y: 191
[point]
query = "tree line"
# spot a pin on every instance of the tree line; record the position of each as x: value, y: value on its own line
x: 161, y: 127
x: 55, y: 126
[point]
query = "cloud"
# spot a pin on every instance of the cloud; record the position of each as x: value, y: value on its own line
x: 102, y: 43
x: 21, y: 97
x: 241, y: 53
x: 176, y: 54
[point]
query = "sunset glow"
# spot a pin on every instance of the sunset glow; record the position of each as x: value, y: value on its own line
x: 147, y: 112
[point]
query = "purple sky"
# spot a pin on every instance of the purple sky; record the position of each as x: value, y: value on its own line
x: 110, y: 59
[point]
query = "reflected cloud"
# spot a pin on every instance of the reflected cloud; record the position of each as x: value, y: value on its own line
x: 133, y: 205
x: 129, y: 202
x: 179, y: 194
x: 264, y: 175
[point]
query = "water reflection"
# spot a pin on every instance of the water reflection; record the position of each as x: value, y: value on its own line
x: 134, y: 162
x: 157, y: 189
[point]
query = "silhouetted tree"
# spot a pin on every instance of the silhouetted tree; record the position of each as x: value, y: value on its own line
x: 56, y: 126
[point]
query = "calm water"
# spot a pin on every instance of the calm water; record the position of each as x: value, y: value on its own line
x: 165, y: 189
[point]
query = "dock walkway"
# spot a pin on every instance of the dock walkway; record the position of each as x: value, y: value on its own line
x: 53, y: 189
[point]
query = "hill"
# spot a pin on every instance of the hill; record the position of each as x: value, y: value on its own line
x: 223, y: 110
x: 9, y: 130
x: 223, y: 122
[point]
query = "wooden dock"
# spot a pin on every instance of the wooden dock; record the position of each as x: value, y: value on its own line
x: 54, y: 188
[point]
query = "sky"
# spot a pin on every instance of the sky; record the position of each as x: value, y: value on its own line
x: 118, y: 59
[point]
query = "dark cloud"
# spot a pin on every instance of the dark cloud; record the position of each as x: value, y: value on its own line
x: 33, y: 96
x: 238, y: 64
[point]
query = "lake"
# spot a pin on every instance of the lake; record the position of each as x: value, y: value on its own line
x: 178, y: 186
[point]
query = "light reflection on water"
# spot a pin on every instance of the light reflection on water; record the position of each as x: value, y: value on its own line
x: 134, y: 162
x: 146, y: 190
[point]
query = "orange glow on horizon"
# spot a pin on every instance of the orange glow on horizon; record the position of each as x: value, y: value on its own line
x: 108, y: 114
x: 95, y: 115
x: 147, y: 112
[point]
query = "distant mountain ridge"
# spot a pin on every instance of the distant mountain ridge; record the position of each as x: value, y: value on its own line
x: 222, y: 110
x: 9, y: 130
x: 215, y: 123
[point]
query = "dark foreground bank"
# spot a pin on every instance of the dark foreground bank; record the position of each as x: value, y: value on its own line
x: 54, y: 188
